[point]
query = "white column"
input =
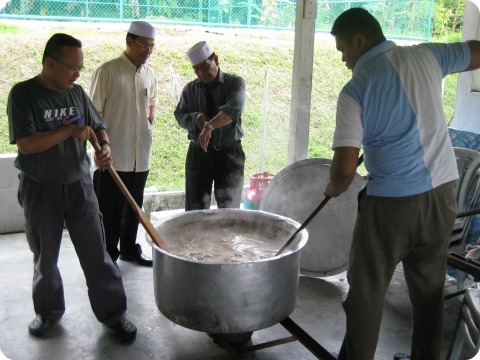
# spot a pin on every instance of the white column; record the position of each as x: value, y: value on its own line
x: 467, y: 106
x: 302, y: 80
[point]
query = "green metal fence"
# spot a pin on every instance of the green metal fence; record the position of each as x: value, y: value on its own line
x: 408, y: 19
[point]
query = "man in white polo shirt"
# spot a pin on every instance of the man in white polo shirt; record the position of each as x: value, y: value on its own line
x: 124, y: 90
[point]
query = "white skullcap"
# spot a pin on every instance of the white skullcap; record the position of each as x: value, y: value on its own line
x: 199, y: 52
x: 142, y: 28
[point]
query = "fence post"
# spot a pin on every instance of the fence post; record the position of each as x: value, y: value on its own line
x: 279, y: 13
x: 429, y: 28
x: 249, y: 13
x: 264, y: 121
x: 200, y: 11
x: 121, y: 9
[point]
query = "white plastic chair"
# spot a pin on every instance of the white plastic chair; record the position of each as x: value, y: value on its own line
x: 467, y: 194
x: 467, y: 331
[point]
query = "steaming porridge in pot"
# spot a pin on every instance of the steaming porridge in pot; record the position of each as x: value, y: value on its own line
x: 222, y: 245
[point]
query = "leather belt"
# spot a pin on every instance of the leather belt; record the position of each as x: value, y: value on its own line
x: 219, y: 147
x: 223, y: 147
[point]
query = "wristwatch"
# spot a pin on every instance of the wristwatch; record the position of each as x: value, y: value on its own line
x: 103, y: 142
x: 208, y: 125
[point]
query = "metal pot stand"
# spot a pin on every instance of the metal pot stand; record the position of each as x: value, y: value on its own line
x: 297, y: 334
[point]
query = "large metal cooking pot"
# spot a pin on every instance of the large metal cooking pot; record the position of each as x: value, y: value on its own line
x: 227, y: 298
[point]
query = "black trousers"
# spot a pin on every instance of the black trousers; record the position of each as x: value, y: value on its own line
x: 120, y: 222
x: 223, y: 169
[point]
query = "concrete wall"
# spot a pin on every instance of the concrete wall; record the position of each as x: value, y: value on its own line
x: 11, y: 213
x: 467, y: 107
x: 165, y: 200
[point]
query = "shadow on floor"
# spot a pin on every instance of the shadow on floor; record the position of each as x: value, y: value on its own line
x: 78, y: 335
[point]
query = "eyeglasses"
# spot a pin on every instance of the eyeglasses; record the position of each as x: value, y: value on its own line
x: 144, y: 46
x: 72, y: 68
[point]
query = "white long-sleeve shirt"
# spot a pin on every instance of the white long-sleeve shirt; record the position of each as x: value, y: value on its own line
x: 122, y: 94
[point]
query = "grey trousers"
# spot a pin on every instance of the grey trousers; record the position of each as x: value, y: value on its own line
x: 47, y: 207
x: 414, y: 230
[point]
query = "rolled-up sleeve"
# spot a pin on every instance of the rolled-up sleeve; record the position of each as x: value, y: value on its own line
x: 236, y: 99
x: 229, y: 96
x: 184, y: 117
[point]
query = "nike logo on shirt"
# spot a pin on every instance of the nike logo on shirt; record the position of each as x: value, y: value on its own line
x: 67, y: 122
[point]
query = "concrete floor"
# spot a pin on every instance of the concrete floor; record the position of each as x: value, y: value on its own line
x: 78, y: 335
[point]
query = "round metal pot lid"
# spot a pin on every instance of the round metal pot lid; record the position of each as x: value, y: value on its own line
x: 295, y: 192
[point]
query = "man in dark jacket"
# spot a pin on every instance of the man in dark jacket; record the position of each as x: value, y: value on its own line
x: 210, y: 109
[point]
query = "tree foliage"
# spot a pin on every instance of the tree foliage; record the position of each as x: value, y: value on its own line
x: 448, y: 17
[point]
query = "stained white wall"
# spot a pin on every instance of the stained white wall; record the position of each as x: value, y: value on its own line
x: 11, y: 213
x: 467, y: 107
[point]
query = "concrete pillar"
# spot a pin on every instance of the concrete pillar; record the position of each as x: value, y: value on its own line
x: 467, y: 107
x: 302, y: 80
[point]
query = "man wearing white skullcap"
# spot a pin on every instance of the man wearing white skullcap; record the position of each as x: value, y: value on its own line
x: 142, y: 28
x: 199, y: 52
x: 124, y: 90
x: 210, y: 109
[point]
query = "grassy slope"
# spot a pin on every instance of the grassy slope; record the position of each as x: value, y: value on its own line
x: 247, y: 53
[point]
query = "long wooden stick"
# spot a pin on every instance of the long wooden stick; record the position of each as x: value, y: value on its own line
x: 144, y: 220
